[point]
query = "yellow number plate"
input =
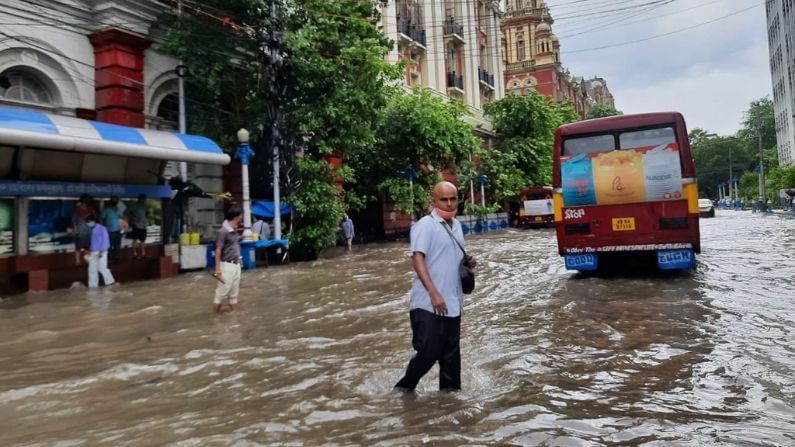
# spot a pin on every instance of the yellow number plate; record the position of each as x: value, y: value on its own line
x: 624, y: 224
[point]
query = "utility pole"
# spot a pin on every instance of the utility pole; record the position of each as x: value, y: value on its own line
x: 275, y: 113
x: 181, y: 73
x: 762, y: 200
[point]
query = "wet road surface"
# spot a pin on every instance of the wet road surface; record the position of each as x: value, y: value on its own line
x: 549, y: 357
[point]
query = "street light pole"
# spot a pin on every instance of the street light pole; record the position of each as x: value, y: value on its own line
x: 244, y: 153
x: 761, y: 170
x: 731, y: 177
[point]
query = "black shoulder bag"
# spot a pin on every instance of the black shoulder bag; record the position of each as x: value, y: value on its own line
x: 464, y: 272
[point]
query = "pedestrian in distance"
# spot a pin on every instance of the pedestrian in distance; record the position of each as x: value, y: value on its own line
x: 136, y: 215
x: 347, y: 231
x: 227, y: 262
x: 111, y: 218
x: 98, y: 254
x: 436, y: 293
x: 82, y: 232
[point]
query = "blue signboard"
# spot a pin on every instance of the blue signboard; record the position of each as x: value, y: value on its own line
x: 675, y: 259
x: 584, y: 261
x: 72, y: 189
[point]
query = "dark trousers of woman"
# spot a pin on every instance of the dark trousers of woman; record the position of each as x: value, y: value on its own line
x: 436, y: 339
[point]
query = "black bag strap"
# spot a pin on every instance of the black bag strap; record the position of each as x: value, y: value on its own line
x: 446, y: 227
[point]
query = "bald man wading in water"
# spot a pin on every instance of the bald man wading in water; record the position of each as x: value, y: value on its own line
x: 436, y: 294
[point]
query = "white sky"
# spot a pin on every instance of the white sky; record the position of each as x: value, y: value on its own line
x: 710, y: 73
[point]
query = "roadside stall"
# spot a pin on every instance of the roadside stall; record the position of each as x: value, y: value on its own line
x: 47, y: 162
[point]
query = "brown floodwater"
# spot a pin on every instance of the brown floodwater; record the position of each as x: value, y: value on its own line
x: 549, y: 357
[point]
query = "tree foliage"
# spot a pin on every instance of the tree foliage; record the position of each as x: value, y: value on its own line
x: 329, y: 85
x: 419, y: 132
x: 603, y: 110
x: 522, y: 157
x: 716, y: 156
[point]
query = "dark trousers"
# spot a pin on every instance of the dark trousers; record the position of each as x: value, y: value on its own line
x: 115, y: 242
x: 436, y: 339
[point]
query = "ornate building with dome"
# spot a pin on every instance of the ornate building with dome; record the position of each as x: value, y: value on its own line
x: 531, y: 54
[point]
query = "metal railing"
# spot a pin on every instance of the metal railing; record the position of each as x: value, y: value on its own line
x: 485, y: 77
x: 413, y: 31
x: 455, y: 80
x: 453, y: 27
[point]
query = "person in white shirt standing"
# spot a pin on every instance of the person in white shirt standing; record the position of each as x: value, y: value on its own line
x: 437, y: 297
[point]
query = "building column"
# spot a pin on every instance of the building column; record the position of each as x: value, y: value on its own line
x: 389, y: 21
x: 119, y: 78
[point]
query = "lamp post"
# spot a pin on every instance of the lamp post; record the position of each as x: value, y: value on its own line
x: 483, y: 181
x: 761, y: 170
x: 243, y: 154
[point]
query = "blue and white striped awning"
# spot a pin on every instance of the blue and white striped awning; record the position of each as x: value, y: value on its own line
x: 31, y: 128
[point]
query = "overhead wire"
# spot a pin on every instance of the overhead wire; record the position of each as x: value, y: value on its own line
x: 432, y: 55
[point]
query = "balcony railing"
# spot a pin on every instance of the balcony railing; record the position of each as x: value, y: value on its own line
x: 455, y: 80
x: 413, y: 31
x: 485, y: 77
x: 453, y: 29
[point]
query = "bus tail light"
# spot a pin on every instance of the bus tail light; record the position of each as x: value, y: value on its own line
x: 673, y: 223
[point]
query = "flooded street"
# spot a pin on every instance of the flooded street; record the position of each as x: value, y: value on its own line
x: 549, y: 357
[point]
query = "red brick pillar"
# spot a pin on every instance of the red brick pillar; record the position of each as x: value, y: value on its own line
x: 119, y: 63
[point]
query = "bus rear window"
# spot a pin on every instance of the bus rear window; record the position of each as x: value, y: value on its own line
x: 593, y: 143
x: 649, y: 137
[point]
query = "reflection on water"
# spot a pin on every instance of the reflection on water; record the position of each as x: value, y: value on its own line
x: 550, y: 357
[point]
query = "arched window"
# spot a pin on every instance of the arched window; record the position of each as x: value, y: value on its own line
x: 168, y: 109
x: 21, y: 85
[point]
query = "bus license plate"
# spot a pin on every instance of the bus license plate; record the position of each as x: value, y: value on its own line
x: 624, y: 224
x: 675, y: 259
x: 538, y: 218
x: 585, y: 261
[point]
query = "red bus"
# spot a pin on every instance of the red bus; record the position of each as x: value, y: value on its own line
x: 625, y: 185
x: 536, y: 207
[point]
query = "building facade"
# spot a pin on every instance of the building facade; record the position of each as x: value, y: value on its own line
x: 451, y: 48
x: 532, y: 61
x: 84, y: 63
x: 781, y: 42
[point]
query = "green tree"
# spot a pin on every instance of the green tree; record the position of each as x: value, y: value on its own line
x: 714, y: 155
x: 525, y: 126
x: 781, y: 178
x: 420, y: 132
x: 603, y: 110
x: 331, y: 84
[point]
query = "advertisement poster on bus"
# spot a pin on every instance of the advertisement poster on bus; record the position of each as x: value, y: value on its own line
x: 647, y: 174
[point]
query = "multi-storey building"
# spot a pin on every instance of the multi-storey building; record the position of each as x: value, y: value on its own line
x: 532, y: 59
x: 781, y: 42
x: 452, y: 48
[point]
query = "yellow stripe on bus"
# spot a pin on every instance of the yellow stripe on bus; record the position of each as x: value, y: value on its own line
x: 691, y: 194
x: 557, y: 199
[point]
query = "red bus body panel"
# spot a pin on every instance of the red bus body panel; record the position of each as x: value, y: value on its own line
x: 658, y: 225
